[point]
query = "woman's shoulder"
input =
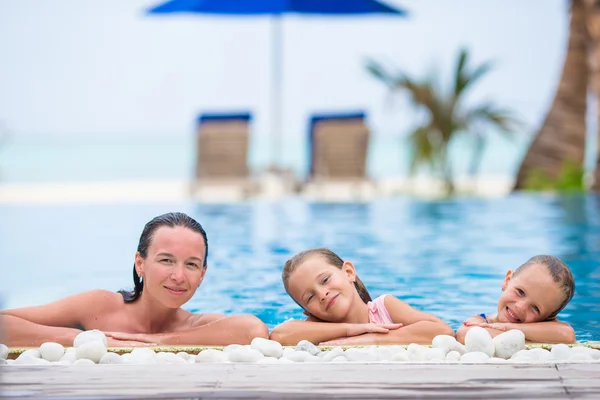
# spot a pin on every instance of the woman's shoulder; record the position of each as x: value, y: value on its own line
x: 99, y: 299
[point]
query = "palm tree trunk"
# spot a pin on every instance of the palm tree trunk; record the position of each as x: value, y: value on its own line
x: 562, y: 136
x: 593, y: 23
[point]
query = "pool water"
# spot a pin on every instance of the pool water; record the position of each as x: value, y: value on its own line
x: 446, y: 257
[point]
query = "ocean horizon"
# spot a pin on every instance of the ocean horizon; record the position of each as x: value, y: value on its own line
x: 46, y: 159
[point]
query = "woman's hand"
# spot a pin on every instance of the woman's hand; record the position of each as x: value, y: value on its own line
x: 121, y: 339
x: 359, y: 329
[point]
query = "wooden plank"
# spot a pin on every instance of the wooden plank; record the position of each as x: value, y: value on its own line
x: 382, y: 380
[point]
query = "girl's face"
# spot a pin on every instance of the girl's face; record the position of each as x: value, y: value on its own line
x: 530, y: 296
x: 323, y: 290
x: 173, y: 268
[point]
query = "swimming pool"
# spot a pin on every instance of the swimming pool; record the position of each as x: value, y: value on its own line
x: 446, y: 257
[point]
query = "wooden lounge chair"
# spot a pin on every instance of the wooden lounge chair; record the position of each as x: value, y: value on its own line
x: 222, y: 153
x: 338, y: 145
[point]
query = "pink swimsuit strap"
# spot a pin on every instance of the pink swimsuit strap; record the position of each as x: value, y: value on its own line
x: 378, y: 314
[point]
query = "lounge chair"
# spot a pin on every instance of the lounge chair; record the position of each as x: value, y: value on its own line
x: 222, y: 155
x: 338, y: 146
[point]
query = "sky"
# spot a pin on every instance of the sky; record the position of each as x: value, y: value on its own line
x: 103, y: 70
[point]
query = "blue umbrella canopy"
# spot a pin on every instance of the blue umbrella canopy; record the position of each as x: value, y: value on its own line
x: 275, y: 9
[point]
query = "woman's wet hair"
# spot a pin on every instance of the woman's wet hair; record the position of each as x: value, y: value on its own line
x: 561, y: 274
x: 331, y: 258
x: 171, y: 220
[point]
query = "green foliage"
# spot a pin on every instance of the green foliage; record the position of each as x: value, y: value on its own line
x: 570, y: 179
x: 446, y: 115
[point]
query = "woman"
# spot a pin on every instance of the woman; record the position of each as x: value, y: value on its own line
x: 170, y: 265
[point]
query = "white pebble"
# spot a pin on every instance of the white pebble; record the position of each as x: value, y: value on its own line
x: 142, y: 356
x: 453, y: 356
x: 34, y: 353
x: 245, y: 356
x: 161, y: 357
x: 212, y: 356
x: 3, y: 361
x: 298, y: 356
x: 52, y: 351
x: 126, y: 358
x: 173, y: 358
x: 268, y: 348
x: 560, y: 352
x: 231, y: 347
x: 331, y: 354
x: 581, y: 357
x: 111, y: 358
x: 508, y: 343
x: 447, y: 343
x: 474, y: 357
x: 184, y: 355
x: 70, y: 357
x: 480, y: 340
x: 383, y: 353
x: 84, y: 361
x: 594, y: 353
x: 416, y: 352
x: 305, y: 345
x: 540, y: 354
x: 92, y: 350
x: 497, y: 360
x: 400, y: 357
x: 3, y: 351
x: 435, y: 354
x: 90, y: 336
x: 358, y: 354
x: 25, y: 359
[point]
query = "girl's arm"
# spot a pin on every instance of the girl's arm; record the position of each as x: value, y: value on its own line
x: 315, y: 331
x: 418, y: 327
x: 537, y: 332
x: 54, y: 322
x: 238, y: 329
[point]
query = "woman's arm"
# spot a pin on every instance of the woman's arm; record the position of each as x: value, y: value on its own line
x: 536, y: 332
x: 239, y: 329
x: 55, y: 322
x: 418, y: 327
x: 18, y: 332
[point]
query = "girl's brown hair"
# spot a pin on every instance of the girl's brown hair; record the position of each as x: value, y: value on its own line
x: 561, y: 274
x: 331, y: 258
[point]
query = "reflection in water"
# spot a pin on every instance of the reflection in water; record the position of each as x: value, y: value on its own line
x: 445, y: 257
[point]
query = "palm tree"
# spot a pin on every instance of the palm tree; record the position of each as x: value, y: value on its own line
x: 446, y: 116
x: 561, y: 140
x: 593, y: 24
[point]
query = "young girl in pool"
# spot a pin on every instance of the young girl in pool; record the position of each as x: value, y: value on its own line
x: 532, y: 297
x: 340, y: 310
x: 170, y: 264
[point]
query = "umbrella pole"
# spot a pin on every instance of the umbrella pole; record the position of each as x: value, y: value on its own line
x: 276, y: 91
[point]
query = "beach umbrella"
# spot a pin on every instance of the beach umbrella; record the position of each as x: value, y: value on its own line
x: 276, y: 9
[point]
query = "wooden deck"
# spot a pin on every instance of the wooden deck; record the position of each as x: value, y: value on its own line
x: 302, y: 381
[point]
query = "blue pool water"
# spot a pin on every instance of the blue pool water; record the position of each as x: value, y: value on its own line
x: 446, y: 257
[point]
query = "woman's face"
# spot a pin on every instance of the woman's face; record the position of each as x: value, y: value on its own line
x: 322, y: 289
x: 174, y: 266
